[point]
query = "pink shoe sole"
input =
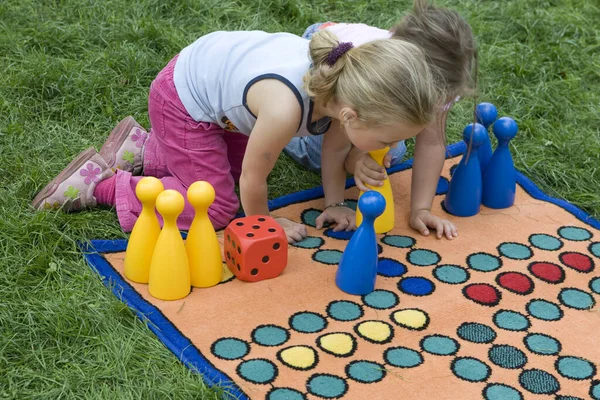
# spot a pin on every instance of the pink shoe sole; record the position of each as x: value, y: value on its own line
x: 73, y: 166
x: 115, y: 140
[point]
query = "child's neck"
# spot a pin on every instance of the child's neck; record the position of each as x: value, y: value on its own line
x: 332, y: 110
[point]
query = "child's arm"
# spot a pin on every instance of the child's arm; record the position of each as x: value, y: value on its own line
x: 429, y: 156
x: 278, y: 115
x: 334, y: 150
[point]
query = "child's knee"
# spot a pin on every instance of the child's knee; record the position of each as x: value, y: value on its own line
x: 221, y: 215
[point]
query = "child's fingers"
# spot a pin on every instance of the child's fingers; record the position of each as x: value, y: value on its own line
x: 420, y: 226
x: 387, y: 160
x: 360, y: 185
x: 376, y: 174
x: 341, y: 225
x: 439, y: 229
x: 321, y: 219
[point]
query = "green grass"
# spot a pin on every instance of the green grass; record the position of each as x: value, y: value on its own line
x: 71, y: 69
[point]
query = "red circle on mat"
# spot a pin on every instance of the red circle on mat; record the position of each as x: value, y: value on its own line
x: 482, y: 293
x: 548, y: 272
x: 577, y: 261
x: 515, y: 282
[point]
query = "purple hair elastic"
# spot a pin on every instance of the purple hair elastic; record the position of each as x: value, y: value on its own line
x: 337, y: 52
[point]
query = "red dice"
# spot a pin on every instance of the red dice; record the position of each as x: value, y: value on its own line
x: 255, y: 248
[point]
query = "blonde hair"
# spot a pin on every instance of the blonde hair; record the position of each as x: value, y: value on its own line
x: 383, y: 80
x: 448, y: 42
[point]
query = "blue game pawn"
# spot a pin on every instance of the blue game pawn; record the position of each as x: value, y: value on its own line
x: 357, y: 271
x: 500, y: 179
x: 486, y: 115
x: 464, y: 192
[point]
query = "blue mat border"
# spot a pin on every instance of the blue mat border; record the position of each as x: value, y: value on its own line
x: 178, y: 343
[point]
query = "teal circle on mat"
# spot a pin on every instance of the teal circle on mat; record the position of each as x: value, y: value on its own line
x: 575, y: 368
x: 538, y: 382
x: 402, y: 242
x: 329, y: 257
x: 500, y: 391
x: 365, y: 371
x: 595, y: 249
x: 257, y: 371
x: 544, y: 310
x: 476, y: 332
x: 568, y: 398
x: 285, y: 394
x: 511, y: 320
x: 423, y: 257
x: 484, y: 262
x: 515, y: 251
x: 310, y: 242
x: 595, y: 285
x: 403, y: 357
x: 230, y: 348
x: 545, y: 242
x: 506, y: 356
x: 439, y: 345
x: 309, y: 217
x: 452, y: 274
x: 595, y: 390
x: 575, y: 298
x: 381, y: 299
x: 470, y: 369
x: 342, y: 310
x: 574, y: 233
x: 540, y: 343
x: 327, y: 386
x: 307, y: 322
x: 270, y: 335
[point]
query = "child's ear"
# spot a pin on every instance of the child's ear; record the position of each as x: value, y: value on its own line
x: 347, y: 115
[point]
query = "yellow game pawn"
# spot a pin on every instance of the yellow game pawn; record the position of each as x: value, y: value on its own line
x: 385, y: 222
x: 145, y: 232
x: 203, y: 249
x: 169, y: 271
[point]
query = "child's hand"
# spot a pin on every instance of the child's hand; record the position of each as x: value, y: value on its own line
x: 344, y: 217
x: 294, y: 231
x: 367, y: 171
x: 424, y: 219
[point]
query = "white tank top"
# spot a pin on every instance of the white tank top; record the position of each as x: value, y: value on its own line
x: 212, y: 77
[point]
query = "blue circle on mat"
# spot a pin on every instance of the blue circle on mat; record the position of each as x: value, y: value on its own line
x: 327, y: 386
x: 595, y: 390
x: 544, y: 310
x: 402, y: 242
x: 309, y: 217
x: 270, y: 335
x: 307, y: 322
x: 515, y: 251
x: 511, y: 320
x: 476, y: 332
x: 484, y: 262
x: 506, y: 356
x: 230, y: 348
x: 575, y: 298
x: 540, y: 343
x: 329, y: 257
x: 416, y: 286
x: 259, y: 371
x: 285, y: 394
x: 595, y: 249
x: 403, y: 357
x: 470, y: 369
x: 574, y: 233
x: 365, y: 371
x: 310, y: 242
x: 538, y: 382
x: 342, y: 310
x: 390, y: 268
x: 575, y: 368
x: 381, y: 299
x: 439, y: 345
x: 545, y: 242
x: 452, y: 274
x: 423, y: 257
x: 595, y: 285
x: 341, y: 235
x: 500, y: 391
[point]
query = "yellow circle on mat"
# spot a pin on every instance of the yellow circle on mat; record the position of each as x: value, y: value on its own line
x: 299, y: 357
x: 375, y: 331
x: 415, y: 319
x: 340, y: 344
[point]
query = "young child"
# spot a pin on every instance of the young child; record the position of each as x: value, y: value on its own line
x: 449, y: 45
x: 227, y: 105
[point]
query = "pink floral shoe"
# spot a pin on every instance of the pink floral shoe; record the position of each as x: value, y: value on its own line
x: 124, y: 147
x: 73, y: 188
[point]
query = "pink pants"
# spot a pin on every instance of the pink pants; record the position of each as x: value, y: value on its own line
x: 181, y: 151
